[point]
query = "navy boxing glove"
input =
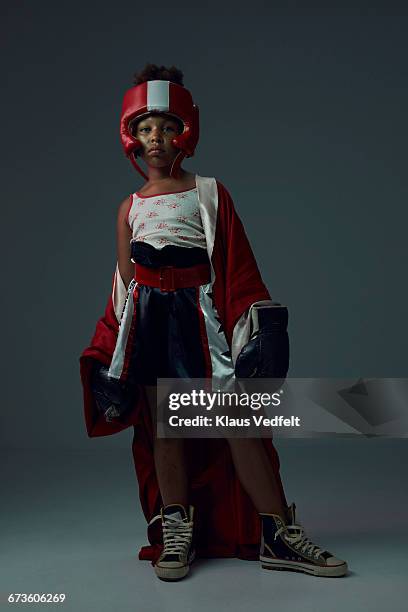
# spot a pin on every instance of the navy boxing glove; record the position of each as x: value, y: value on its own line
x: 266, y: 354
x: 113, y: 397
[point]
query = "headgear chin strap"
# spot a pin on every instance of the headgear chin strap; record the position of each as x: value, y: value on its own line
x: 163, y: 97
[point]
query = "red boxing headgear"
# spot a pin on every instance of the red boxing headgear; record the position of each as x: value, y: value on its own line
x: 163, y: 97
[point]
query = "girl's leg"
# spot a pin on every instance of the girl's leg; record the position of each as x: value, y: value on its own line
x: 169, y: 461
x: 256, y: 475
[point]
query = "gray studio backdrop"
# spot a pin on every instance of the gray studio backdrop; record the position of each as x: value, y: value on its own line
x: 303, y: 118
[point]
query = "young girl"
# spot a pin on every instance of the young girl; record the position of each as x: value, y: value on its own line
x: 188, y: 302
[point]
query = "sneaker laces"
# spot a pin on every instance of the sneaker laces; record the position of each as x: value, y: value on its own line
x: 177, y: 535
x: 295, y: 534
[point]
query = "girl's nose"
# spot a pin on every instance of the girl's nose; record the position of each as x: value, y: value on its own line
x: 156, y: 137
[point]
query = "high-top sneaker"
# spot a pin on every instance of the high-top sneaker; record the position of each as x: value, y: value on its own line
x: 284, y: 546
x: 178, y: 552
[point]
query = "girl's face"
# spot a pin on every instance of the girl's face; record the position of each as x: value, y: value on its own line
x: 156, y: 133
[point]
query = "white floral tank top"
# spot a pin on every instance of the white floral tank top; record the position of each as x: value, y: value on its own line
x: 170, y: 218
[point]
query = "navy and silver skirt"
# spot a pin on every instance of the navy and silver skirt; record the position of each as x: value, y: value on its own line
x: 170, y: 334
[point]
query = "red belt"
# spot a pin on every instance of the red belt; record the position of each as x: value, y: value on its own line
x: 169, y: 278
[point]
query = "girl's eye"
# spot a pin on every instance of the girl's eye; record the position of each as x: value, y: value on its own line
x: 167, y: 127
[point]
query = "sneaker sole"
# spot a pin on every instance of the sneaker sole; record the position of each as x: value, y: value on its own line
x: 171, y: 574
x: 334, y: 571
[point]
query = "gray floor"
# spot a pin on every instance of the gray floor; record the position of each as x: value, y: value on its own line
x: 71, y: 523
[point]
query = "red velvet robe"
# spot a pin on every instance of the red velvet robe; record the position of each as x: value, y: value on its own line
x: 226, y: 521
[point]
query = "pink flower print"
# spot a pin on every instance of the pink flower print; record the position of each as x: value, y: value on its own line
x: 141, y: 226
x: 141, y: 202
x: 163, y: 240
x: 152, y: 214
x: 141, y: 238
x: 182, y: 196
x: 181, y: 218
x: 184, y: 237
x: 161, y: 225
x: 173, y: 205
x: 159, y: 202
x: 174, y: 230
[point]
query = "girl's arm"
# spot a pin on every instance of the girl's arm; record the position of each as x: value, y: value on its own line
x: 123, y: 237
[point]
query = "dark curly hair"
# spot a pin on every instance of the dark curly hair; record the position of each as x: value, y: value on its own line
x: 152, y: 72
